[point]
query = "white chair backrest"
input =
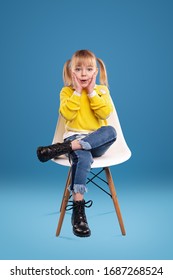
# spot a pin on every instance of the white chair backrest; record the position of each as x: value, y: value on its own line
x: 118, y: 153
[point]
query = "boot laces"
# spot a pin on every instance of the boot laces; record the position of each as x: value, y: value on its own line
x: 86, y: 204
x: 79, y: 209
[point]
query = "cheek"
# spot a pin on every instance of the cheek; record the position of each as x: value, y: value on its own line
x: 77, y: 74
x: 91, y: 74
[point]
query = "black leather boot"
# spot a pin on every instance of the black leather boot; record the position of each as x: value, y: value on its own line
x: 48, y: 152
x: 79, y: 220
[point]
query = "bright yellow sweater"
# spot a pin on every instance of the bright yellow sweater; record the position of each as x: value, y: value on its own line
x: 84, y: 112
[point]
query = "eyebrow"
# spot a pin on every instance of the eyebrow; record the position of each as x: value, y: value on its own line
x: 79, y: 65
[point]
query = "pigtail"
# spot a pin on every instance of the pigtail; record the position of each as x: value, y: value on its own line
x: 66, y: 73
x: 103, y: 73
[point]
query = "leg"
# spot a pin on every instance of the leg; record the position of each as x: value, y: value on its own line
x: 101, y: 138
x: 99, y: 141
x: 81, y: 165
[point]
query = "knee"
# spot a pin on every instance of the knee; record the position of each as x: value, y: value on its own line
x: 111, y: 131
x: 82, y: 158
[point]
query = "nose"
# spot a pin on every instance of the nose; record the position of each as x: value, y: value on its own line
x: 83, y: 72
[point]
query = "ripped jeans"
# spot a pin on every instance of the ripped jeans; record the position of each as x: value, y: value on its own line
x: 93, y: 145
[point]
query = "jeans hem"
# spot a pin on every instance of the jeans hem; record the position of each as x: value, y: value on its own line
x: 78, y: 188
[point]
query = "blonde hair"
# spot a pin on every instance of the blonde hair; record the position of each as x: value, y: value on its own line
x: 80, y: 57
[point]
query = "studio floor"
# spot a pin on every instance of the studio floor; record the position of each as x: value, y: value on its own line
x: 29, y: 210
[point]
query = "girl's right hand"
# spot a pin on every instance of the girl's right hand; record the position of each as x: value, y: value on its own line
x: 76, y: 83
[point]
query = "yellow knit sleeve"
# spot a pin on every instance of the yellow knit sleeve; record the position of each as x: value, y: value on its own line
x: 100, y: 102
x: 69, y: 103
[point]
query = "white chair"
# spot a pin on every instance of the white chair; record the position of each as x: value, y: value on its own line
x: 116, y: 154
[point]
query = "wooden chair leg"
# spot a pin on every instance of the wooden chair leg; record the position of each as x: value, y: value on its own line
x: 64, y: 202
x: 66, y: 186
x: 115, y: 199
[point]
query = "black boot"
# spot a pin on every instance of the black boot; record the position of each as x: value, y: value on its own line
x: 48, y: 152
x: 79, y: 220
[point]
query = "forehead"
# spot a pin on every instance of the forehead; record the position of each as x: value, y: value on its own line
x: 83, y: 61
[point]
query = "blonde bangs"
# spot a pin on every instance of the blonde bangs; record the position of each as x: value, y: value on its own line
x: 83, y: 57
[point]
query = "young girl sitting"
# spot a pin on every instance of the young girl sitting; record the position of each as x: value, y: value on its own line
x: 85, y: 106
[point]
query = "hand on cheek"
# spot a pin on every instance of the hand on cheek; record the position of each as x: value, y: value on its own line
x: 92, y: 83
x: 76, y: 83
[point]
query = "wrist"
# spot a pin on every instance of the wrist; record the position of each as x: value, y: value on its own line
x: 77, y: 93
x: 92, y: 94
x: 79, y: 90
x: 90, y: 90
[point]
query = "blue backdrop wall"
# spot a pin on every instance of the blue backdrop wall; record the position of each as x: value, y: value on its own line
x: 134, y: 38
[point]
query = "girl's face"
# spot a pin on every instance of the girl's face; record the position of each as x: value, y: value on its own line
x: 84, y: 72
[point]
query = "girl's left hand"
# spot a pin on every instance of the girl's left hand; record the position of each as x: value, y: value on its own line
x: 92, y: 83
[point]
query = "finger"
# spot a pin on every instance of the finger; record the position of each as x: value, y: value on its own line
x: 96, y: 73
x: 94, y: 76
x: 73, y: 75
x: 74, y: 78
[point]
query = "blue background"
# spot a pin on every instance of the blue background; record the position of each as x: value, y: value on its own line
x: 134, y: 39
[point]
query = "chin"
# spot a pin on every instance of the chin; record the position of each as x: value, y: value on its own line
x: 84, y: 86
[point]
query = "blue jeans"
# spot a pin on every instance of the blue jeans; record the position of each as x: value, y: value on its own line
x: 93, y: 145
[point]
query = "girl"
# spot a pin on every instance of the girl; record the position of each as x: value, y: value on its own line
x: 85, y: 106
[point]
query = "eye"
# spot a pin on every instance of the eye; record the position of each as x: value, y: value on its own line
x: 77, y: 69
x: 90, y: 69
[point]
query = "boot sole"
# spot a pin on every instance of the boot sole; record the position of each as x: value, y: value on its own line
x: 82, y: 235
